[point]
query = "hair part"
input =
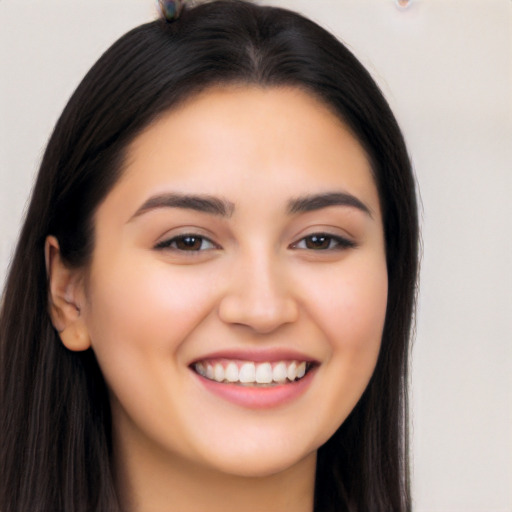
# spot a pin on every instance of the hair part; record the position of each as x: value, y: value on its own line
x: 55, y: 444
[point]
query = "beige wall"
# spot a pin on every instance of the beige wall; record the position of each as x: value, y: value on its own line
x: 446, y: 68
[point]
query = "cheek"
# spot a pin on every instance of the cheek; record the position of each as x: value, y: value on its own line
x: 138, y: 322
x: 351, y: 313
x: 352, y: 307
x: 149, y: 310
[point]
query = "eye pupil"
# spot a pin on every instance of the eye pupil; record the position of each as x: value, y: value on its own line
x: 318, y: 242
x: 189, y: 243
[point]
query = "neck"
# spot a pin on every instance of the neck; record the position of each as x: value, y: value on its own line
x: 178, y: 485
x: 187, y: 488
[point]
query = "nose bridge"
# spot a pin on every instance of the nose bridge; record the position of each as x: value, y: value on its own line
x: 259, y: 294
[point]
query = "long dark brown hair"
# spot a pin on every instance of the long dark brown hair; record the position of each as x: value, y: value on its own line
x: 55, y: 424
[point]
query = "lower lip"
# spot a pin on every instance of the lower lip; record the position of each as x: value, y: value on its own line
x: 258, y: 398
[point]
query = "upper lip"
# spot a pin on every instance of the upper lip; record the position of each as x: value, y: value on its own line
x: 257, y: 355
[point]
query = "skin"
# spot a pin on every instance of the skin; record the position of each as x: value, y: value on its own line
x: 257, y: 281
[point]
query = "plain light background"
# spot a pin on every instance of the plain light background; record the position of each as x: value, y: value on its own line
x: 446, y: 68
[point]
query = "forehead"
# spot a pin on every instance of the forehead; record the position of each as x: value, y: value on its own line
x: 247, y: 141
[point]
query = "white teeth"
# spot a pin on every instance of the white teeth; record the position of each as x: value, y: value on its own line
x: 232, y: 372
x: 247, y: 373
x: 279, y: 373
x: 252, y: 373
x: 292, y: 371
x: 218, y: 372
x: 264, y: 373
x: 200, y: 369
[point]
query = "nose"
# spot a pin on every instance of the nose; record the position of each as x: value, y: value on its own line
x: 259, y: 296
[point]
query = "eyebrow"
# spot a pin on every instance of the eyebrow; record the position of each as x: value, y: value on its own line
x: 223, y: 208
x: 314, y: 202
x: 200, y: 203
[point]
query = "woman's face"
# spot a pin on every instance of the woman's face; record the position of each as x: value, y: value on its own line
x: 244, y: 242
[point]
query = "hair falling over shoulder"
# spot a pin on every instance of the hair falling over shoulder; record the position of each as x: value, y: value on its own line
x: 55, y: 425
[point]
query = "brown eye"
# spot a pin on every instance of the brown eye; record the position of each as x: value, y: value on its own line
x: 323, y: 242
x: 318, y: 242
x: 187, y: 243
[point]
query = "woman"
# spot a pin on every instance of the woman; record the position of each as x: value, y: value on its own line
x: 210, y: 303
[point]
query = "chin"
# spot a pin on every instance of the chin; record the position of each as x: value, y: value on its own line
x: 260, y: 463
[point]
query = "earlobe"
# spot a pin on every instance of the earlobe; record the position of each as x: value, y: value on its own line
x: 64, y: 299
x: 75, y: 337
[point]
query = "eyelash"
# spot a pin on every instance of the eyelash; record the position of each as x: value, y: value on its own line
x: 188, y: 238
x: 334, y: 243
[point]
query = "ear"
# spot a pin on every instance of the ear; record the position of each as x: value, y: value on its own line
x: 65, y: 298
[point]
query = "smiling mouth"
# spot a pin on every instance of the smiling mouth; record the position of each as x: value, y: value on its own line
x: 252, y: 374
